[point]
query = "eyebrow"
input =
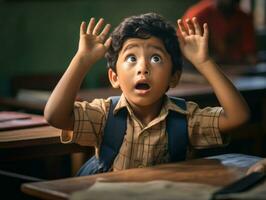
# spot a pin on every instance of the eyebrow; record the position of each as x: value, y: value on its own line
x: 159, y: 49
x: 130, y: 46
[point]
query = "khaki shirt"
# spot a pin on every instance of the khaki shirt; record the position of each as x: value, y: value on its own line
x: 143, y: 146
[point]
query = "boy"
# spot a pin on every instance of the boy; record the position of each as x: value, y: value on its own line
x: 144, y: 61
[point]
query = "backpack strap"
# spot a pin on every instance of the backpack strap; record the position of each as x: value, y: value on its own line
x: 112, y: 142
x: 176, y: 126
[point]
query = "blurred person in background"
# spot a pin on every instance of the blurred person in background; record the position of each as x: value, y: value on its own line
x: 232, y: 39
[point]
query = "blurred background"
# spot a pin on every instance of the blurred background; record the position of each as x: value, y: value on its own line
x: 41, y: 37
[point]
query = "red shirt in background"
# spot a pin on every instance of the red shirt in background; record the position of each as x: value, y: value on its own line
x: 232, y: 39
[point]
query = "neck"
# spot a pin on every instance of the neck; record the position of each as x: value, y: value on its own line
x: 147, y: 113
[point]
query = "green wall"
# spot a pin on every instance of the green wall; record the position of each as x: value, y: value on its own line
x: 42, y: 36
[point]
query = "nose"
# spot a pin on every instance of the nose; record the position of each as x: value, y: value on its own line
x: 143, y: 68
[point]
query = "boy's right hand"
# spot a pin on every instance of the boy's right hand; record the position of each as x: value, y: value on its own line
x: 93, y: 43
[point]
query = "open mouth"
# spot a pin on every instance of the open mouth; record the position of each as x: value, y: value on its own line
x: 142, y: 86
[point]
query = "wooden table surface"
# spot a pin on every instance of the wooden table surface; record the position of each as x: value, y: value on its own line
x: 34, y: 142
x: 29, y: 136
x: 213, y: 171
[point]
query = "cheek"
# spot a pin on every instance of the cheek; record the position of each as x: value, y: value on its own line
x: 125, y: 70
x: 163, y: 73
x: 124, y: 75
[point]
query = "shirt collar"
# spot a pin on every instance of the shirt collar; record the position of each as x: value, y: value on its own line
x: 167, y: 105
x: 170, y: 105
x: 122, y: 103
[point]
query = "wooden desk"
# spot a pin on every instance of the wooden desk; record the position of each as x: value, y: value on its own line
x: 29, y: 137
x: 218, y: 171
x: 33, y: 142
x: 251, y: 85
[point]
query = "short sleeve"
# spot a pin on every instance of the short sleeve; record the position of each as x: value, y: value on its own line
x: 203, y: 126
x: 89, y: 123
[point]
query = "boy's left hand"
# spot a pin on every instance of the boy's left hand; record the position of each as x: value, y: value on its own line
x: 193, y: 43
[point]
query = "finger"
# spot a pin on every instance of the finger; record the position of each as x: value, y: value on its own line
x: 206, y: 31
x: 181, y: 41
x: 82, y: 29
x: 98, y: 26
x: 197, y: 26
x: 108, y: 43
x: 190, y: 26
x: 105, y: 31
x: 91, y: 25
x: 182, y: 28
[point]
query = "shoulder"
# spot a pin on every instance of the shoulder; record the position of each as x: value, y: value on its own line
x: 100, y: 106
x: 243, y: 14
x: 195, y: 111
x: 175, y: 104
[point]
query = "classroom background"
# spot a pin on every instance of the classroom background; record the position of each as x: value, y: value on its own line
x: 40, y: 37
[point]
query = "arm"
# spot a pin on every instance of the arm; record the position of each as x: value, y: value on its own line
x: 194, y: 46
x: 92, y: 46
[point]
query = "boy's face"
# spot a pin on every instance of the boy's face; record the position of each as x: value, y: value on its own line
x: 143, y: 71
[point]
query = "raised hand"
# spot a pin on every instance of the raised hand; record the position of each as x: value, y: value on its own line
x: 93, y: 43
x: 193, y: 42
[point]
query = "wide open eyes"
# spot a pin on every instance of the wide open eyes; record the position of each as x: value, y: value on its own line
x: 156, y: 59
x: 131, y: 59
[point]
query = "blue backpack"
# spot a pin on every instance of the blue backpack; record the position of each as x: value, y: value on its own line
x: 115, y: 129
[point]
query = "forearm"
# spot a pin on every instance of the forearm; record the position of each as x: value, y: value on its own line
x: 235, y: 108
x: 92, y: 46
x: 194, y: 45
x: 59, y: 108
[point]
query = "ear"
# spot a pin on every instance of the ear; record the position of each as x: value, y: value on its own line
x: 113, y: 78
x: 174, y: 79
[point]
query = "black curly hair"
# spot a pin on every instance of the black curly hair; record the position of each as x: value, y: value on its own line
x: 145, y: 26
